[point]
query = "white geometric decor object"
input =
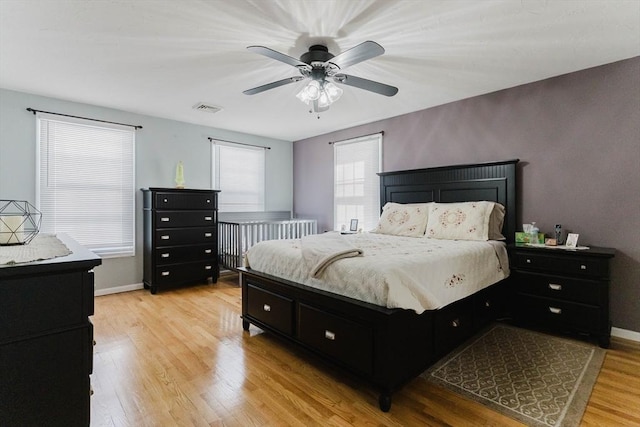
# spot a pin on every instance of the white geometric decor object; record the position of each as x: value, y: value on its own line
x: 19, y: 222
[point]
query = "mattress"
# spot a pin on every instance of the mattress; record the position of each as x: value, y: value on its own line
x: 390, y: 271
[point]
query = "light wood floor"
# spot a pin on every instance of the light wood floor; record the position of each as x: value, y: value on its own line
x: 181, y: 358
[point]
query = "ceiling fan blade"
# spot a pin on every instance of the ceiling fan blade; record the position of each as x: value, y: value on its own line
x: 356, y: 54
x: 365, y: 84
x: 273, y: 85
x: 270, y: 53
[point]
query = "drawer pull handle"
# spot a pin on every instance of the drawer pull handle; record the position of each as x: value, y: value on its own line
x: 164, y: 237
x: 455, y: 323
x: 166, y: 273
x: 330, y: 335
x: 528, y: 261
x: 207, y: 234
x: 164, y: 219
x: 165, y: 255
x: 555, y: 310
x: 555, y: 287
x: 207, y: 251
x: 165, y: 200
x: 208, y: 218
x: 583, y: 267
x: 487, y: 303
x: 266, y: 307
x: 208, y: 200
x: 207, y: 267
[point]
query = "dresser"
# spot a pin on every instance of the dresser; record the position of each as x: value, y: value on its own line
x: 563, y: 290
x: 46, y: 340
x: 180, y: 237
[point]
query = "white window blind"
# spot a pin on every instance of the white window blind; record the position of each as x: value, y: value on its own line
x: 86, y: 182
x: 239, y: 174
x: 356, y: 183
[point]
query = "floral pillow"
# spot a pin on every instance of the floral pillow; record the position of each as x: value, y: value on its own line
x: 403, y: 219
x: 459, y: 221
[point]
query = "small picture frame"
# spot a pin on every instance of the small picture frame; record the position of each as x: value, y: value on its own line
x: 572, y: 240
x: 354, y: 225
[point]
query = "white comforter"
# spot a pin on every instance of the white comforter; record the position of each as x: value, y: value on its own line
x: 395, y: 272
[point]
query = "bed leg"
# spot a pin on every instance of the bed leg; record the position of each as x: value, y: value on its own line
x: 384, y: 401
x: 245, y: 324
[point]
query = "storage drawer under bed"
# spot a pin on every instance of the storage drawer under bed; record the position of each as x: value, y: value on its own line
x: 349, y: 342
x: 272, y: 309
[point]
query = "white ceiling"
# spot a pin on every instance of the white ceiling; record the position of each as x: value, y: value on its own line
x: 161, y: 57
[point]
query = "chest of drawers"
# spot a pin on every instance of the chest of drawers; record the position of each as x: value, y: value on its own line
x: 563, y: 290
x: 180, y: 237
x: 46, y: 340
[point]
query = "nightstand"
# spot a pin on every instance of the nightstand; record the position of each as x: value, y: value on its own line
x: 562, y: 290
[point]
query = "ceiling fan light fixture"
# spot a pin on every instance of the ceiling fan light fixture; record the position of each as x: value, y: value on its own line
x: 323, y: 94
x: 310, y: 92
x: 333, y: 92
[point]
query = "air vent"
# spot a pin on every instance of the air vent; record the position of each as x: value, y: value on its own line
x: 206, y: 108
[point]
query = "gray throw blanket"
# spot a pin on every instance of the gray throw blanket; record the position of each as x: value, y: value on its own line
x: 320, y: 250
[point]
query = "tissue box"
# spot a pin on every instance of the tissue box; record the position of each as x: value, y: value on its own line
x: 522, y: 237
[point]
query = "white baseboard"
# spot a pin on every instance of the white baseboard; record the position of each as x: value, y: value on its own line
x: 626, y: 334
x: 118, y: 289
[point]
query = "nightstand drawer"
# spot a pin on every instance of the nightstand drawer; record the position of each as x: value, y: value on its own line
x: 167, y: 219
x: 556, y: 262
x: 559, y: 315
x: 560, y: 287
x: 349, y: 342
x: 271, y: 309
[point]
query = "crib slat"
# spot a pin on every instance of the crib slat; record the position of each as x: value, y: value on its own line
x: 235, y: 238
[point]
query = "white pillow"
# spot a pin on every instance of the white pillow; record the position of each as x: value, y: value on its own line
x: 403, y: 219
x: 459, y: 221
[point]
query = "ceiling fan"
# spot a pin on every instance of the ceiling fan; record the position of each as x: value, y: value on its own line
x: 323, y: 68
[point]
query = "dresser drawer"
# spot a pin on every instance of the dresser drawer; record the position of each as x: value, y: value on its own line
x: 560, y: 287
x: 562, y: 264
x: 559, y: 315
x: 271, y: 309
x: 47, y: 380
x: 185, y: 273
x: 185, y: 236
x: 177, y: 200
x: 169, y: 219
x: 351, y: 343
x: 176, y: 254
x: 27, y: 307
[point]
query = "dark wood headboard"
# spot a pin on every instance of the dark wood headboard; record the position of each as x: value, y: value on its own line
x: 494, y: 182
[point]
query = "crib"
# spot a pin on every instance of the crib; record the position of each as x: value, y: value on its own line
x: 236, y: 237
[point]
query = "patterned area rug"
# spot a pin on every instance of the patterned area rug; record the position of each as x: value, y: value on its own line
x: 538, y: 379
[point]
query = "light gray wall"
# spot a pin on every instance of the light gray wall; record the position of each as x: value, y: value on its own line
x: 577, y: 137
x: 159, y: 146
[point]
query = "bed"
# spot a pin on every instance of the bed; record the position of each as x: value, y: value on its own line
x: 387, y: 347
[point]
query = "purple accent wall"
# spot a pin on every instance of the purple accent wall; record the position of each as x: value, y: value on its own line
x: 578, y: 140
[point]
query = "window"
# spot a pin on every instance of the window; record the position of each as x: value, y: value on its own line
x: 86, y: 182
x: 356, y: 183
x: 239, y: 174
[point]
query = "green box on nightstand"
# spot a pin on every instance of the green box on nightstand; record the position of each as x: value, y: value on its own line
x: 522, y: 237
